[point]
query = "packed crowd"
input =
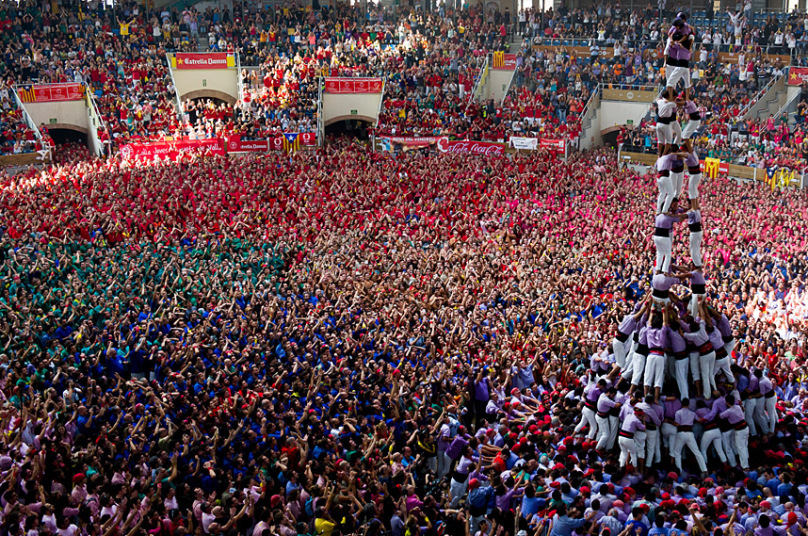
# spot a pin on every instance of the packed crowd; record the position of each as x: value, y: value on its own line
x: 344, y: 342
x: 431, y: 62
x: 338, y: 341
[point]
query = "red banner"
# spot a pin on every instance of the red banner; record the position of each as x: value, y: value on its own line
x: 236, y: 145
x: 552, y: 145
x: 172, y: 149
x: 50, y: 92
x: 213, y: 60
x: 471, y: 147
x: 308, y: 139
x: 797, y: 75
x: 502, y: 61
x: 353, y: 85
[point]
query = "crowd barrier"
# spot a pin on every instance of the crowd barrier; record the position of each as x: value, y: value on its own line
x: 608, y: 52
x: 776, y: 177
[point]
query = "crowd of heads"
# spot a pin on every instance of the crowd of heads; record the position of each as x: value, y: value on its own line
x: 341, y: 341
x: 431, y: 61
x: 345, y: 342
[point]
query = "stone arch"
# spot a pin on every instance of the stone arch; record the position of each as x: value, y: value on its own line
x: 209, y: 93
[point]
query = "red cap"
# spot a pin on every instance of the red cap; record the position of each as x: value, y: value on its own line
x: 474, y: 483
x: 765, y: 504
x: 584, y: 489
x: 792, y: 518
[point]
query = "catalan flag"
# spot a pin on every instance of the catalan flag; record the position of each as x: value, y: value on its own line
x: 498, y: 59
x: 771, y: 174
x: 291, y: 142
x: 26, y: 93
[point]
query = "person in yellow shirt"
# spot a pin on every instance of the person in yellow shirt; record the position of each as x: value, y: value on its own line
x: 323, y: 523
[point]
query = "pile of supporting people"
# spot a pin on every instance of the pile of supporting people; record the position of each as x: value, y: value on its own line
x: 681, y: 339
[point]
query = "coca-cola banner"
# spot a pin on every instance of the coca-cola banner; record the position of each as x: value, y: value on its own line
x: 172, y: 149
x: 797, y: 75
x: 470, y: 147
x: 353, y: 85
x: 212, y: 60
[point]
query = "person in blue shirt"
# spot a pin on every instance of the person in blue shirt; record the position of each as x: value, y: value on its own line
x: 659, y: 528
x: 638, y: 528
x: 563, y: 525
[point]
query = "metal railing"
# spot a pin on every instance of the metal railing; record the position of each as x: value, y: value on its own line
x: 96, y: 116
x: 480, y: 81
x: 320, y: 119
x: 178, y: 102
x: 30, y: 122
x: 589, y: 110
x: 240, y: 80
x: 760, y: 94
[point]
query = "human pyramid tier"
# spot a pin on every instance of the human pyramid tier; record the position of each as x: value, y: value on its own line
x: 674, y: 384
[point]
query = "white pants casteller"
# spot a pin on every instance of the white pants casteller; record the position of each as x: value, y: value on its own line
x: 664, y: 133
x: 620, y: 351
x: 458, y: 491
x: 664, y: 247
x: 676, y: 74
x: 693, y: 307
x: 628, y: 370
x: 654, y: 370
x: 638, y: 364
x: 677, y: 179
x: 771, y: 410
x: 687, y: 439
x: 690, y: 128
x: 640, y: 437
x: 444, y: 464
x: 749, y: 409
x: 587, y: 418
x: 742, y: 446
x: 707, y: 365
x: 614, y: 427
x: 604, y: 431
x: 652, y: 447
x: 665, y: 198
x: 693, y: 186
x: 668, y: 437
x: 713, y: 437
x: 677, y: 133
x: 628, y: 451
x: 695, y: 248
x: 722, y: 367
x: 695, y: 368
x: 728, y: 442
x: 681, y: 366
